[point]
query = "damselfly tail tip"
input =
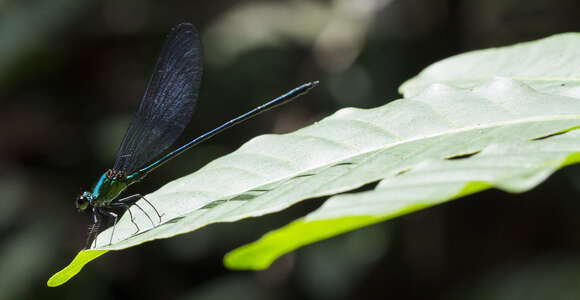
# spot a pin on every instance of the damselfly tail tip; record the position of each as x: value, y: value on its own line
x: 310, y: 85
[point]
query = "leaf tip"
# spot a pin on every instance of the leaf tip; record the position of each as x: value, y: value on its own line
x: 82, y: 258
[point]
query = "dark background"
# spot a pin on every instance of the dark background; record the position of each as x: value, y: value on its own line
x: 72, y: 73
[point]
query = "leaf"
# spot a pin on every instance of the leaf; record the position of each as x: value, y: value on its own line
x: 508, y: 157
x: 413, y: 146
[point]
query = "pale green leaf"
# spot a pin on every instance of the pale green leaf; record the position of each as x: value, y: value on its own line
x: 490, y: 128
x: 498, y: 98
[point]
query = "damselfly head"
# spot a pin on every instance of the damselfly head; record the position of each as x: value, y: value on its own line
x: 83, y: 201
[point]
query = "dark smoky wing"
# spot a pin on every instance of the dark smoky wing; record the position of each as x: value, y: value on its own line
x: 169, y: 100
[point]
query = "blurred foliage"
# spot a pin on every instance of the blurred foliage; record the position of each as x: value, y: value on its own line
x: 72, y: 73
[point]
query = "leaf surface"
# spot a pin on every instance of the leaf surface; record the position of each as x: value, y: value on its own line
x: 445, y: 140
x: 548, y: 65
